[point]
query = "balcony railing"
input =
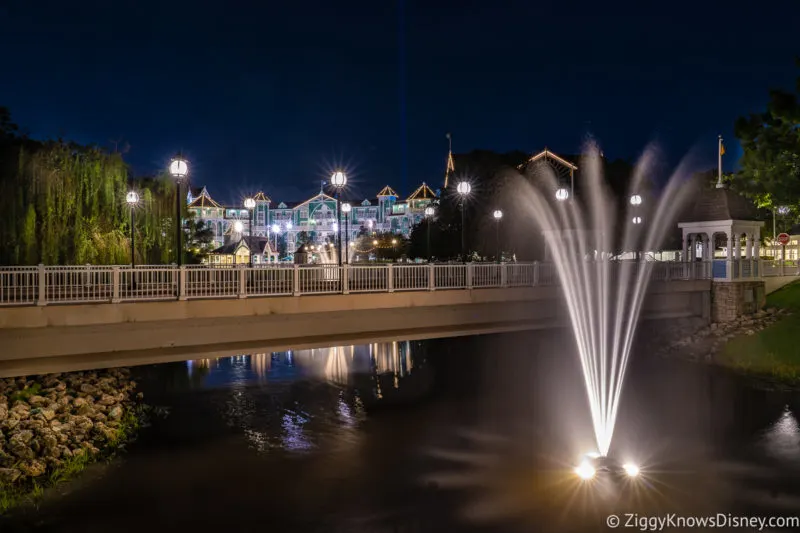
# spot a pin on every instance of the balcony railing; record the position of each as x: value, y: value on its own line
x: 45, y: 285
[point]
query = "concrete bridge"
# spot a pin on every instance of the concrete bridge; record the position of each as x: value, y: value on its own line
x: 68, y: 318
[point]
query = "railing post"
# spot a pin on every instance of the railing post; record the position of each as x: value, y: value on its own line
x: 296, y: 280
x: 115, y: 285
x: 182, y: 282
x: 42, y: 299
x: 345, y: 279
x: 504, y: 274
x: 390, y: 274
x: 242, y: 281
x: 431, y: 277
x: 535, y: 273
x: 468, y: 275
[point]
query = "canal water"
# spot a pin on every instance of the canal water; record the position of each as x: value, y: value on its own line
x: 469, y: 434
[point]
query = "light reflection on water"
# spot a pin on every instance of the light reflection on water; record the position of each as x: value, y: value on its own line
x: 297, y: 399
x: 782, y: 439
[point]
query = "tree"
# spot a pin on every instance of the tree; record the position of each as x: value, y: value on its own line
x: 199, y: 239
x: 770, y: 165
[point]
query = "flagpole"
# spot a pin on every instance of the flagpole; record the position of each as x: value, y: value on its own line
x: 719, y: 163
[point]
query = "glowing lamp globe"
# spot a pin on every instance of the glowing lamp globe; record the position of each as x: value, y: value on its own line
x: 562, y: 194
x: 374, y: 243
x: 178, y: 168
x: 636, y: 199
x: 132, y: 198
x: 335, y: 226
x: 338, y: 179
x: 288, y: 226
x: 238, y: 226
x: 497, y: 214
x: 783, y: 210
x: 352, y: 244
x: 637, y: 220
x: 346, y: 208
x: 394, y: 241
x: 275, y: 228
x: 429, y: 211
x: 249, y: 203
x: 463, y: 188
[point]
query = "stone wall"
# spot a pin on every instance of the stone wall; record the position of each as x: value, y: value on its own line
x: 730, y: 300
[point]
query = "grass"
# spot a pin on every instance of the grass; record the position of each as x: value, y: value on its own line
x: 25, y: 393
x: 773, y: 352
x: 31, y: 490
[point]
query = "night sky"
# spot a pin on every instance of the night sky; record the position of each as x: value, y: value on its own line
x: 273, y: 95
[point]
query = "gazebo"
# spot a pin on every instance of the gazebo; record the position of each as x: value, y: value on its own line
x: 720, y: 212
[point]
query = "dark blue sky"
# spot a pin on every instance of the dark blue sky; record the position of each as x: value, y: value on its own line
x: 273, y: 94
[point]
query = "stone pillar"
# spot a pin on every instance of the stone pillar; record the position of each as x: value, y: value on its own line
x: 708, y: 252
x: 748, y: 246
x: 693, y: 249
x: 756, y: 247
x: 684, y: 254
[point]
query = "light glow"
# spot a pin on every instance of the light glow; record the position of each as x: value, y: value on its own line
x: 288, y: 226
x: 249, y: 203
x: 562, y: 194
x: 636, y: 199
x: 631, y: 469
x: 497, y: 214
x: 429, y: 211
x: 178, y: 168
x: 463, y: 188
x: 637, y: 220
x: 346, y: 207
x: 238, y: 226
x: 275, y: 228
x: 585, y: 471
x: 132, y: 198
x: 338, y: 179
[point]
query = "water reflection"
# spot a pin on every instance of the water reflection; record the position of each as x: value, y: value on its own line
x: 782, y: 439
x: 337, y: 364
x: 297, y: 399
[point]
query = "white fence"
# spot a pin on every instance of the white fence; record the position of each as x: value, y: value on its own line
x: 45, y: 285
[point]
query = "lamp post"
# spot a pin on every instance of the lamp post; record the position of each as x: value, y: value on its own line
x: 339, y: 180
x: 636, y: 201
x: 498, y: 214
x: 179, y: 169
x: 132, y: 199
x: 463, y: 189
x: 275, y: 230
x: 346, y: 208
x: 250, y: 205
x: 429, y: 211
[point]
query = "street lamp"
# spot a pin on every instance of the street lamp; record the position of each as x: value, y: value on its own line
x: 238, y: 227
x: 250, y: 205
x: 463, y: 188
x: 429, y: 212
x: 132, y: 199
x: 498, y: 214
x: 178, y: 169
x: 562, y: 194
x: 275, y: 230
x: 636, y: 199
x: 339, y: 180
x: 346, y: 208
x: 637, y: 220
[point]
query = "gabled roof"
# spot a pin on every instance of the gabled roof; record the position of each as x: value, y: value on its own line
x: 261, y: 197
x: 204, y: 200
x: 721, y: 204
x: 366, y: 202
x: 321, y: 196
x: 423, y: 192
x: 253, y: 243
x: 547, y: 154
x: 282, y: 205
x: 387, y: 191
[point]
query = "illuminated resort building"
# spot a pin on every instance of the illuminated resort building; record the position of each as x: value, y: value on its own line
x: 315, y: 217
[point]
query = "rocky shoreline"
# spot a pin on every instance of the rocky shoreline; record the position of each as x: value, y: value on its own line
x: 50, y: 424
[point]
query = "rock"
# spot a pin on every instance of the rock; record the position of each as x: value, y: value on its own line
x: 86, y: 410
x: 37, y: 401
x: 48, y: 414
x: 11, y: 422
x: 88, y: 388
x: 9, y: 475
x: 82, y: 423
x: 33, y: 468
x: 77, y: 402
x: 107, y: 399
x: 115, y: 413
x: 3, y: 412
x: 19, y: 444
x: 22, y: 410
x: 749, y: 332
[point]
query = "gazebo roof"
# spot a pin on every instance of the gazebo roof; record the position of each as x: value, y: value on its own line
x: 387, y: 191
x: 721, y: 204
x: 261, y: 197
x: 204, y: 200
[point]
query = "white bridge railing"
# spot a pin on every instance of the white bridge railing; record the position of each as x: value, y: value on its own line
x: 44, y: 285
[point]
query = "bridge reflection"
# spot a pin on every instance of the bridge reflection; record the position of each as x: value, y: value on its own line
x: 342, y: 365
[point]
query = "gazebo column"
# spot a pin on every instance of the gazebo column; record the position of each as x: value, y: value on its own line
x: 729, y: 255
x: 708, y: 252
x: 693, y: 248
x: 684, y: 249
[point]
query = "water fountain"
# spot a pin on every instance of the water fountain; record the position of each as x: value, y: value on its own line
x: 603, y: 296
